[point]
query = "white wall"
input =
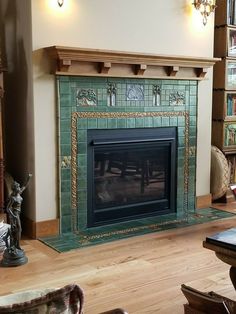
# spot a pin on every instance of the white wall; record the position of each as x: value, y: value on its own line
x: 154, y: 26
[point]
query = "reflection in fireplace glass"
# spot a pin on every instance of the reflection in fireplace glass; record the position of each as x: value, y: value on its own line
x: 129, y: 176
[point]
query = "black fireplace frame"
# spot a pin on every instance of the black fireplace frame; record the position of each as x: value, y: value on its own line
x: 98, y: 138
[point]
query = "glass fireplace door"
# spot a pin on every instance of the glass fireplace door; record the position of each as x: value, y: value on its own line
x: 129, y: 177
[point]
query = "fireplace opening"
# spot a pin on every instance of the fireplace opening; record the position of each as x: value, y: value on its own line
x: 131, y: 174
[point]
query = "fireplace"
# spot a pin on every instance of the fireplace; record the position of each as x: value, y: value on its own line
x: 127, y: 130
x: 131, y: 174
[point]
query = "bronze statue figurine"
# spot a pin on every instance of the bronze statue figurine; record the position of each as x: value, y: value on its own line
x: 13, y: 254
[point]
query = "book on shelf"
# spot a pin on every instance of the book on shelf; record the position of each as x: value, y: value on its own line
x: 225, y: 239
x: 231, y: 12
x: 230, y: 134
x: 231, y: 105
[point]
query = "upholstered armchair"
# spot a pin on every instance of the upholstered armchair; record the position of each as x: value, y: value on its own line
x: 206, y: 302
x: 66, y: 300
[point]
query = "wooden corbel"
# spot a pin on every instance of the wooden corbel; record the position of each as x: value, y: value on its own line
x: 64, y: 65
x: 173, y: 70
x: 140, y: 69
x: 201, y: 72
x: 105, y: 67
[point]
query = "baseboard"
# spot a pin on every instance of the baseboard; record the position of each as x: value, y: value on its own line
x: 39, y: 229
x: 203, y: 201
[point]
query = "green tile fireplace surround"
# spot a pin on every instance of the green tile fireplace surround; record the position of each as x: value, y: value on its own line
x: 122, y: 103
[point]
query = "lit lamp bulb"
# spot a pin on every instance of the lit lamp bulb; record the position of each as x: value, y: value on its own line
x: 60, y: 2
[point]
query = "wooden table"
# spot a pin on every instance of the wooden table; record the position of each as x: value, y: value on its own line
x: 226, y: 255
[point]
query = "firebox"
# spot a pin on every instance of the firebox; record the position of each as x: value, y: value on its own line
x: 131, y: 174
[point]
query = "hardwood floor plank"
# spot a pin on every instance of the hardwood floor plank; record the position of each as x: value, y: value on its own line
x: 142, y: 274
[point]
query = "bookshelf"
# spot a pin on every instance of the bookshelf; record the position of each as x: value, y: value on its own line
x: 224, y: 83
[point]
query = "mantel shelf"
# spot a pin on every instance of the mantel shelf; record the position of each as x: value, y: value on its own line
x: 94, y: 62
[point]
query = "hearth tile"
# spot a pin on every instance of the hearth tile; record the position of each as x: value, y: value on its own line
x: 165, y: 121
x: 151, y: 109
x: 92, y: 123
x: 85, y: 109
x: 181, y: 121
x: 181, y: 152
x: 192, y: 161
x: 82, y: 135
x: 65, y: 198
x: 191, y: 203
x: 187, y: 96
x: 181, y: 87
x: 65, y: 100
x: 192, y: 110
x: 65, y: 125
x: 192, y: 130
x: 192, y: 121
x: 64, y: 87
x: 121, y: 123
x: 156, y: 121
x: 65, y: 186
x: 181, y: 141
x: 82, y: 148
x: 148, y: 122
x: 139, y: 122
x: 68, y: 241
x: 130, y: 122
x: 193, y: 90
x: 181, y: 131
x: 66, y: 209
x: 82, y: 160
x: 64, y: 137
x: 65, y: 112
x: 82, y: 194
x: 102, y: 123
x: 192, y: 101
x: 112, y: 123
x: 167, y: 87
x: 66, y: 224
x: 192, y: 171
x: 65, y: 174
x: 173, y: 121
x: 82, y: 221
x: 82, y: 123
x: 192, y: 184
x: 65, y: 150
x: 192, y: 141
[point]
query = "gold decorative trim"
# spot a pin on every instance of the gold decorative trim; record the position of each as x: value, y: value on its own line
x: 154, y: 227
x: 74, y: 171
x: 91, y: 115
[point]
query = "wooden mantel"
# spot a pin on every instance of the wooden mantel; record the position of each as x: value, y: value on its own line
x: 94, y: 62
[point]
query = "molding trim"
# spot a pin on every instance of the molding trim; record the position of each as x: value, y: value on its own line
x: 203, y: 201
x: 34, y: 229
x: 96, y: 62
x: 75, y: 116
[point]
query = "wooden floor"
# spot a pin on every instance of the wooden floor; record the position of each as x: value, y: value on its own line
x: 141, y: 274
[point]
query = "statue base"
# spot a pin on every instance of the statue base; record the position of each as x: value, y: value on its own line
x: 13, y: 257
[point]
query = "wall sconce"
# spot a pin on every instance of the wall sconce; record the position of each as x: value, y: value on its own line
x: 206, y: 7
x: 60, y: 2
